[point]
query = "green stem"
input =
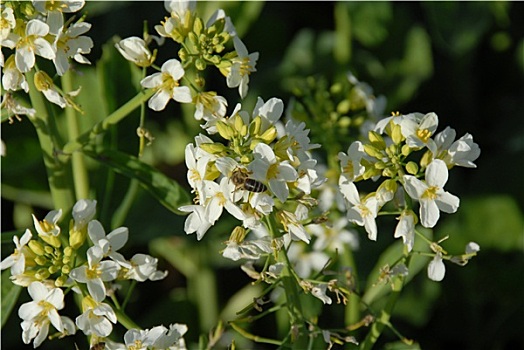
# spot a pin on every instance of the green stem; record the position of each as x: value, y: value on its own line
x: 125, y: 321
x: 121, y: 212
x: 110, y: 120
x: 58, y: 171
x: 385, y: 314
x: 253, y: 337
x: 80, y: 175
x: 352, y: 310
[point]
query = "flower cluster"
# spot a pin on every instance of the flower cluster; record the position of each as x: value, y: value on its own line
x: 254, y: 170
x: 38, y: 28
x: 413, y: 160
x: 201, y: 45
x: 86, y: 261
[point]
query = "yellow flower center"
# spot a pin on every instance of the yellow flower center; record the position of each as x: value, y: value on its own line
x: 93, y: 272
x: 168, y: 83
x: 272, y: 171
x: 364, y: 211
x: 430, y: 193
x: 424, y: 135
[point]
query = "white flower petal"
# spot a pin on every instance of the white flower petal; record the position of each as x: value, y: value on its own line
x: 436, y: 269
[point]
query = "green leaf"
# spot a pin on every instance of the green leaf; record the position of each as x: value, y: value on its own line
x: 10, y: 293
x: 166, y: 190
x: 493, y: 222
x: 375, y: 290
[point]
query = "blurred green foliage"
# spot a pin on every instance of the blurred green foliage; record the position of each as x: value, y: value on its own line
x: 462, y: 60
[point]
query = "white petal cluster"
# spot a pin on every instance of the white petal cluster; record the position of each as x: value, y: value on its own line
x: 44, y: 264
x: 252, y: 172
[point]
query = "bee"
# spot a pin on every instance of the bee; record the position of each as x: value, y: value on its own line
x: 99, y: 346
x: 241, y: 179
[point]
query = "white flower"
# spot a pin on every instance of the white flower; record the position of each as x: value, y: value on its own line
x: 171, y: 338
x: 107, y: 246
x: 269, y: 112
x: 472, y: 247
x: 406, y: 228
x: 243, y: 65
x: 32, y: 43
x: 436, y: 268
x: 334, y: 238
x: 37, y: 314
x: 16, y: 261
x: 196, y: 221
x: 44, y: 83
x: 267, y: 168
x: 71, y: 43
x: 96, y: 319
x: 350, y: 162
x: 12, y: 78
x: 83, y: 211
x: 419, y: 129
x: 8, y: 22
x: 430, y: 193
x: 363, y: 213
x: 464, y: 151
x: 210, y: 107
x: 134, y: 49
x: 166, y: 84
x: 178, y: 8
x: 144, y: 267
x: 196, y: 169
x: 48, y: 226
x: 96, y: 273
x: 218, y: 197
x: 319, y: 291
x: 14, y: 107
x: 306, y: 262
x: 251, y: 249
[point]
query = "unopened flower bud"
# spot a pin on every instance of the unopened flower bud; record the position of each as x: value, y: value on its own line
x: 77, y: 238
x: 53, y: 269
x: 200, y: 64
x: 269, y: 135
x: 377, y: 140
x: 36, y: 247
x: 238, y: 235
x: 42, y: 274
x: 51, y: 240
x: 396, y: 133
x: 426, y: 159
x: 406, y: 150
x: 61, y: 281
x: 372, y: 151
x: 225, y: 130
x: 41, y: 260
x: 412, y: 168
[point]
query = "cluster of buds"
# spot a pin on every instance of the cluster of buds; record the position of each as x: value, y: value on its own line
x: 413, y: 162
x: 38, y: 28
x: 84, y: 260
x: 201, y: 45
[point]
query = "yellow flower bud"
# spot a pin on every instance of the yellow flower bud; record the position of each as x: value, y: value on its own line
x: 225, y: 130
x: 269, y: 135
x: 213, y: 148
x: 60, y: 281
x: 41, y: 260
x: 42, y: 274
x: 42, y: 81
x: 36, y: 247
x: 238, y: 234
x: 77, y: 238
x: 426, y: 159
x: 372, y: 151
x: 396, y: 133
x: 406, y: 150
x: 254, y: 127
x: 412, y: 168
x: 376, y: 140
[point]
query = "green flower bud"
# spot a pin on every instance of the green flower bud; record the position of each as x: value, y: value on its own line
x: 36, y: 247
x: 389, y: 172
x: 396, y: 133
x: 60, y: 281
x: 343, y: 107
x: 377, y: 140
x: 200, y: 64
x: 42, y: 274
x: 372, y: 151
x: 53, y: 269
x: 426, y: 159
x: 406, y: 150
x: 49, y: 250
x: 41, y: 260
x: 66, y: 269
x: 225, y: 130
x: 198, y: 26
x: 344, y: 122
x: 213, y: 148
x: 42, y: 81
x: 412, y: 168
x: 77, y: 238
x: 269, y: 135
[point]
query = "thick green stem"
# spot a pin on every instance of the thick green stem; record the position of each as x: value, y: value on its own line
x: 58, y: 171
x: 383, y: 318
x: 80, y: 175
x: 352, y: 311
